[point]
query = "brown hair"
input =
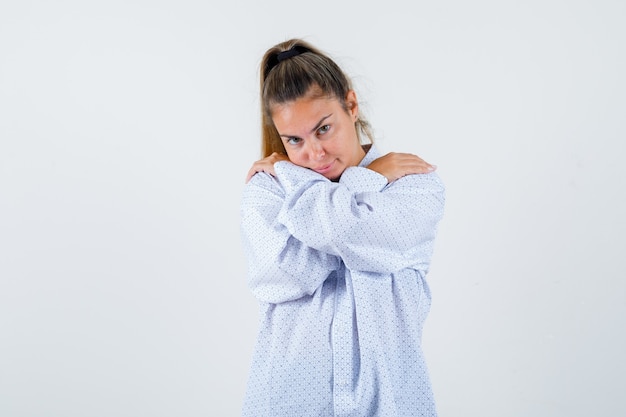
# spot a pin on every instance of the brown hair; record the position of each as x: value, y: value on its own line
x: 289, y: 70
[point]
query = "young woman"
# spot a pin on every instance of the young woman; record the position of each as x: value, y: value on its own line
x: 339, y: 240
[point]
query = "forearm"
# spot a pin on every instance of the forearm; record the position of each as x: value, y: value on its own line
x: 280, y: 267
x: 383, y: 229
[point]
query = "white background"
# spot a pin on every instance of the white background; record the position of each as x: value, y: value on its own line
x: 126, y: 130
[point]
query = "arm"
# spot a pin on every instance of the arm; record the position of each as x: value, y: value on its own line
x: 280, y: 267
x: 373, y: 226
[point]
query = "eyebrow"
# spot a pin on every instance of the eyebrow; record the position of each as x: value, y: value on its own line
x: 317, y: 126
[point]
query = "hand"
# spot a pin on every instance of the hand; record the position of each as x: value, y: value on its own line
x: 266, y: 165
x: 396, y: 165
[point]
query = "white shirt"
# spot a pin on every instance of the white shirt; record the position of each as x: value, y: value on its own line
x: 339, y: 270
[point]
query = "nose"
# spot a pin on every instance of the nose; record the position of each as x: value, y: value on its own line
x: 316, y: 150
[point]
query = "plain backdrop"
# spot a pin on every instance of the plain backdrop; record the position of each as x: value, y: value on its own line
x: 126, y: 131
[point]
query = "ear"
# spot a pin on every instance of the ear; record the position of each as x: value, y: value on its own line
x: 353, y: 105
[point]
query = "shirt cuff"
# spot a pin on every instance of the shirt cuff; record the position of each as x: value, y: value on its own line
x: 360, y: 179
x: 292, y: 176
x: 356, y: 179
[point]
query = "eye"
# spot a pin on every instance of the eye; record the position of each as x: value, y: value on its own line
x: 294, y: 140
x: 323, y: 129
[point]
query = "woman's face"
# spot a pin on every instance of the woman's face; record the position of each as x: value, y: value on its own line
x: 319, y: 134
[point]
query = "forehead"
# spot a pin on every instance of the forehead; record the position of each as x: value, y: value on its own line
x: 304, y: 111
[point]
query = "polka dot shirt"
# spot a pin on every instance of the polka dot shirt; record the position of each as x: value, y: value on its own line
x: 339, y: 271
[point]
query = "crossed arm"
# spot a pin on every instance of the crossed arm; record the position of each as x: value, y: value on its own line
x: 298, y: 227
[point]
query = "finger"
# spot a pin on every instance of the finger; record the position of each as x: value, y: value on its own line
x: 418, y: 168
x: 423, y: 165
x: 256, y: 167
x: 251, y: 173
x: 424, y: 169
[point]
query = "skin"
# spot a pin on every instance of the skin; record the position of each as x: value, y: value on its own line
x: 320, y: 135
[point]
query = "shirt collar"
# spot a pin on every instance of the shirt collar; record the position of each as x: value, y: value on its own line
x: 370, y: 155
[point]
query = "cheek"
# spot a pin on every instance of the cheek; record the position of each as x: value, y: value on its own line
x: 346, y: 140
x: 295, y: 156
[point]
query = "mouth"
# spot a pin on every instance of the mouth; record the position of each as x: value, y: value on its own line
x: 324, y: 168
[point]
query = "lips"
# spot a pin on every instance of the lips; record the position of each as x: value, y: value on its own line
x: 324, y: 168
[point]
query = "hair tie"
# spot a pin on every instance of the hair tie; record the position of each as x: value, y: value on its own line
x: 283, y: 56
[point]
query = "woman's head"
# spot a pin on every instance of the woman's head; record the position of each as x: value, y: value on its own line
x: 293, y: 72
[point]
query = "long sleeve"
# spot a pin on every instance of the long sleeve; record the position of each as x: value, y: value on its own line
x: 280, y: 267
x: 370, y: 225
x: 343, y: 267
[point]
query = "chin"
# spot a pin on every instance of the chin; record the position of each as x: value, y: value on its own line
x: 333, y: 177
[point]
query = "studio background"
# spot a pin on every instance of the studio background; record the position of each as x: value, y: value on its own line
x: 126, y: 131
